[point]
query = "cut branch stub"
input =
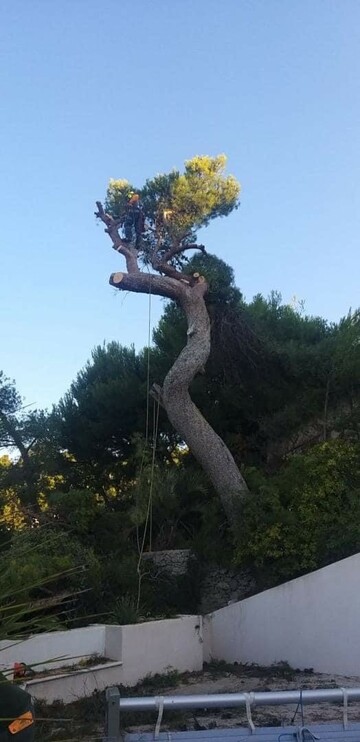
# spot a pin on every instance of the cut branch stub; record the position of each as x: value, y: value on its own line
x: 199, y: 279
x: 144, y: 283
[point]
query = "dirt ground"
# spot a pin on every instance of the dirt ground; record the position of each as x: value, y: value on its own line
x: 221, y: 678
x: 217, y: 677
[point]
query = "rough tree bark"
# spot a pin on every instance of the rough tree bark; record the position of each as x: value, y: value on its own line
x: 189, y: 291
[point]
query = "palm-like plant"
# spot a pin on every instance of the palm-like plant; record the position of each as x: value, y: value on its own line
x: 21, y: 615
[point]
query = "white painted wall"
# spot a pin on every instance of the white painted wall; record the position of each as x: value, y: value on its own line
x: 313, y: 621
x: 66, y: 645
x: 136, y: 650
x: 157, y: 646
x: 113, y: 642
x: 74, y: 685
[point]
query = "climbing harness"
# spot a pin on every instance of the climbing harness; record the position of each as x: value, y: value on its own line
x: 133, y: 220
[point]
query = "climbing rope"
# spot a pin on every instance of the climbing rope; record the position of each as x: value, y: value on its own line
x: 148, y: 367
x: 156, y: 412
x: 147, y: 413
x: 152, y: 470
x: 301, y: 706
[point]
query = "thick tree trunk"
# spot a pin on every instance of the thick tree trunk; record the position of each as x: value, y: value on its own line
x: 207, y: 447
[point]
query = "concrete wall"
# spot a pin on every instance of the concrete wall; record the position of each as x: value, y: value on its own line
x: 313, y: 621
x: 71, y: 686
x: 65, y: 645
x: 113, y: 642
x: 157, y: 646
x: 135, y: 650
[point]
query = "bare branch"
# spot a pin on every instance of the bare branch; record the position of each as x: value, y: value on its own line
x: 131, y: 254
x: 143, y: 283
x: 177, y: 249
x: 112, y: 228
x: 168, y: 270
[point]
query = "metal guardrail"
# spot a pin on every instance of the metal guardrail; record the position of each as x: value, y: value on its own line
x: 116, y: 704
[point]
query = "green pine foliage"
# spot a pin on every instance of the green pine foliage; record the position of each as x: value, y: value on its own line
x: 177, y: 205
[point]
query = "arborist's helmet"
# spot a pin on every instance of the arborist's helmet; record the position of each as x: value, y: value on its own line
x: 134, y: 198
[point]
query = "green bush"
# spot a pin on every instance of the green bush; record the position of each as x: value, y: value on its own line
x: 306, y: 516
x: 124, y: 611
x: 44, y: 563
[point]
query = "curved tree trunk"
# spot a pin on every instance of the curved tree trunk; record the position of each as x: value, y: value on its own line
x: 189, y: 291
x: 207, y: 447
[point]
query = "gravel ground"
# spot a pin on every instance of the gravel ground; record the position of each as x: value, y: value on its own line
x: 247, y: 679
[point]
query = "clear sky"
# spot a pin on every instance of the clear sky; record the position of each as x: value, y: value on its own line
x: 91, y: 90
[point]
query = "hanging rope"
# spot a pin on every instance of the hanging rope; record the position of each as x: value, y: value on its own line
x: 149, y: 509
x: 146, y: 417
x: 148, y: 518
x: 156, y: 411
x: 301, y: 707
x: 148, y: 367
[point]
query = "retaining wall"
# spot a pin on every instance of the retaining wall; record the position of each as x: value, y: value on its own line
x: 131, y: 653
x: 158, y: 646
x: 64, y: 645
x: 313, y: 621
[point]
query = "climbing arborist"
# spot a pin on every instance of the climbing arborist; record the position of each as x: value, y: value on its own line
x: 16, y: 713
x: 134, y: 220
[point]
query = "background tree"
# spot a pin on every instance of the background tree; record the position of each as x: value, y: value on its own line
x: 12, y: 421
x: 21, y: 431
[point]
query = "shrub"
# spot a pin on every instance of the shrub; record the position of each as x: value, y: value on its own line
x: 306, y: 516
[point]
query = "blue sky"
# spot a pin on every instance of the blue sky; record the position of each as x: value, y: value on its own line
x: 92, y: 90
